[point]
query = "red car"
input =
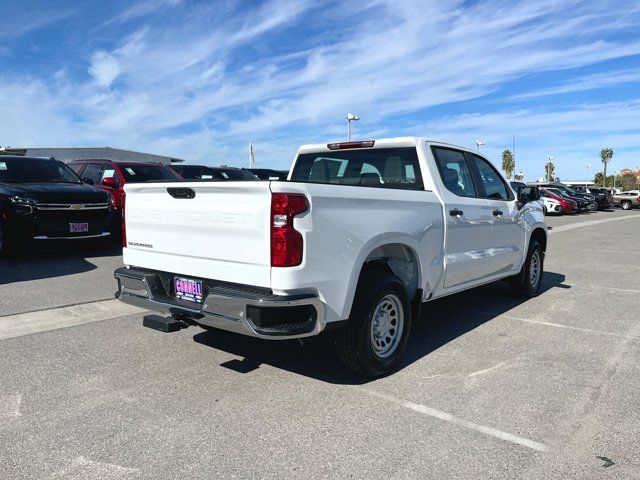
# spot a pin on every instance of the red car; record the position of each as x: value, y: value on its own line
x: 568, y: 205
x: 113, y: 176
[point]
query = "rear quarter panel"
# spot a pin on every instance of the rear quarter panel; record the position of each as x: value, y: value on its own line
x: 344, y: 225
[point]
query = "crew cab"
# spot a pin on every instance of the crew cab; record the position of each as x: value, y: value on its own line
x: 357, y: 239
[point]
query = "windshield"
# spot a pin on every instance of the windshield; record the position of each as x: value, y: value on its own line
x: 146, y: 173
x: 35, y: 170
x: 380, y: 168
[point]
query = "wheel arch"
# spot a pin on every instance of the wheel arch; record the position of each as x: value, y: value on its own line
x: 539, y: 234
x: 396, y: 257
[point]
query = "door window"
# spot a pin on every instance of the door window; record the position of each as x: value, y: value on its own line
x: 93, y: 171
x: 494, y: 187
x: 454, y: 171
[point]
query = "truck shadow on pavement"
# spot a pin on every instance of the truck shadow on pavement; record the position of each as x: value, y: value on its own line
x: 441, y: 322
x: 53, y: 261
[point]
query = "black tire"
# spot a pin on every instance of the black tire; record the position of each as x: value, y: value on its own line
x: 355, y: 342
x: 626, y: 205
x: 7, y: 246
x: 523, y: 284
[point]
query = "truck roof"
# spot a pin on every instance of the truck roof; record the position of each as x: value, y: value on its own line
x: 379, y: 143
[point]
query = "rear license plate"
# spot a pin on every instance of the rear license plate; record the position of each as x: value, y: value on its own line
x: 187, y: 289
x: 78, y: 227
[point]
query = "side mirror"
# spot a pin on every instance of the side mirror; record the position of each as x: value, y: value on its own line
x: 528, y: 194
x: 110, y: 182
x: 87, y: 180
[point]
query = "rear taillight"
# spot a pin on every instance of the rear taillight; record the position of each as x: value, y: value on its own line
x: 123, y: 226
x: 286, y: 241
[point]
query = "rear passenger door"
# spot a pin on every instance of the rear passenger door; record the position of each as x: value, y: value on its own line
x: 507, y: 232
x: 467, y: 217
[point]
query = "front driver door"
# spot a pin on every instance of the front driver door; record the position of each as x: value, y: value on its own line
x: 468, y: 220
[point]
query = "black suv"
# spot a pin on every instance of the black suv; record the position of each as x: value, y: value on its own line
x: 42, y: 199
x: 603, y: 198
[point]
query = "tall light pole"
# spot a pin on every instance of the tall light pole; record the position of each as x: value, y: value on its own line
x: 615, y: 172
x: 479, y: 143
x: 350, y: 117
x: 549, y: 158
x: 585, y: 178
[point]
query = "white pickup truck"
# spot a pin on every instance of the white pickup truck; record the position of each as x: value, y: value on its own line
x: 360, y: 235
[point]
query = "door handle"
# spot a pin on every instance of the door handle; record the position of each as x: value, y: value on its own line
x: 181, y: 192
x: 456, y: 213
x: 497, y: 213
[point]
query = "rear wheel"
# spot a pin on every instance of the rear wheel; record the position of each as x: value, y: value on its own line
x: 626, y: 205
x: 378, y: 329
x: 527, y: 283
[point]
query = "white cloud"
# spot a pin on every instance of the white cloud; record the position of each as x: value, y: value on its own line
x: 141, y: 9
x: 104, y: 68
x: 587, y: 82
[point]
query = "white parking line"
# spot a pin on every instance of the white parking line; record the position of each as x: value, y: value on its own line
x: 589, y: 223
x: 615, y: 289
x: 460, y: 422
x: 45, y: 320
x: 85, y: 469
x: 10, y: 405
x: 480, y: 372
x: 568, y: 327
x: 539, y: 322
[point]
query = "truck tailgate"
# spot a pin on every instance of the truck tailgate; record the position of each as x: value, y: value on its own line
x: 221, y: 233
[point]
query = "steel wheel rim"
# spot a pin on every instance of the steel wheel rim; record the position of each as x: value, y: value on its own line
x: 387, y: 325
x: 534, y: 269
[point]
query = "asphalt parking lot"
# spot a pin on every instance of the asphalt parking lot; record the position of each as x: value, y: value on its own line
x: 492, y: 386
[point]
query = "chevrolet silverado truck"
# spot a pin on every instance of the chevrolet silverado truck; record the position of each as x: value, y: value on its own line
x: 357, y: 239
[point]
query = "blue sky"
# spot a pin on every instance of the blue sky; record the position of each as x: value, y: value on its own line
x: 200, y: 80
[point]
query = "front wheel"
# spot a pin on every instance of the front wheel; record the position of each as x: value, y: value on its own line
x: 626, y: 205
x: 527, y: 283
x: 378, y: 329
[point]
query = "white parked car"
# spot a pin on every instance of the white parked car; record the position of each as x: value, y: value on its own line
x: 631, y: 192
x: 358, y: 238
x: 551, y: 206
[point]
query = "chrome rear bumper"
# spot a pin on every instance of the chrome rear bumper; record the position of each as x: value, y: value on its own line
x: 246, y: 310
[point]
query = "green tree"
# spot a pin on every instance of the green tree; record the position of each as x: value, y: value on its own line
x: 549, y: 170
x: 508, y: 163
x: 628, y: 181
x: 606, y: 154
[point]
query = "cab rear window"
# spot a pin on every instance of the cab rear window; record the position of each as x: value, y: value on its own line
x: 379, y: 168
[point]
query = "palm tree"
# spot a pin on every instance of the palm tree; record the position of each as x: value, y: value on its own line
x: 550, y: 169
x: 606, y: 154
x: 508, y: 164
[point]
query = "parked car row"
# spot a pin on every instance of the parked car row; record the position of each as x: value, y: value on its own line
x: 45, y: 199
x: 560, y: 199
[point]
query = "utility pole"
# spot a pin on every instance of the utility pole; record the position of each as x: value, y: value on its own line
x: 251, y: 156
